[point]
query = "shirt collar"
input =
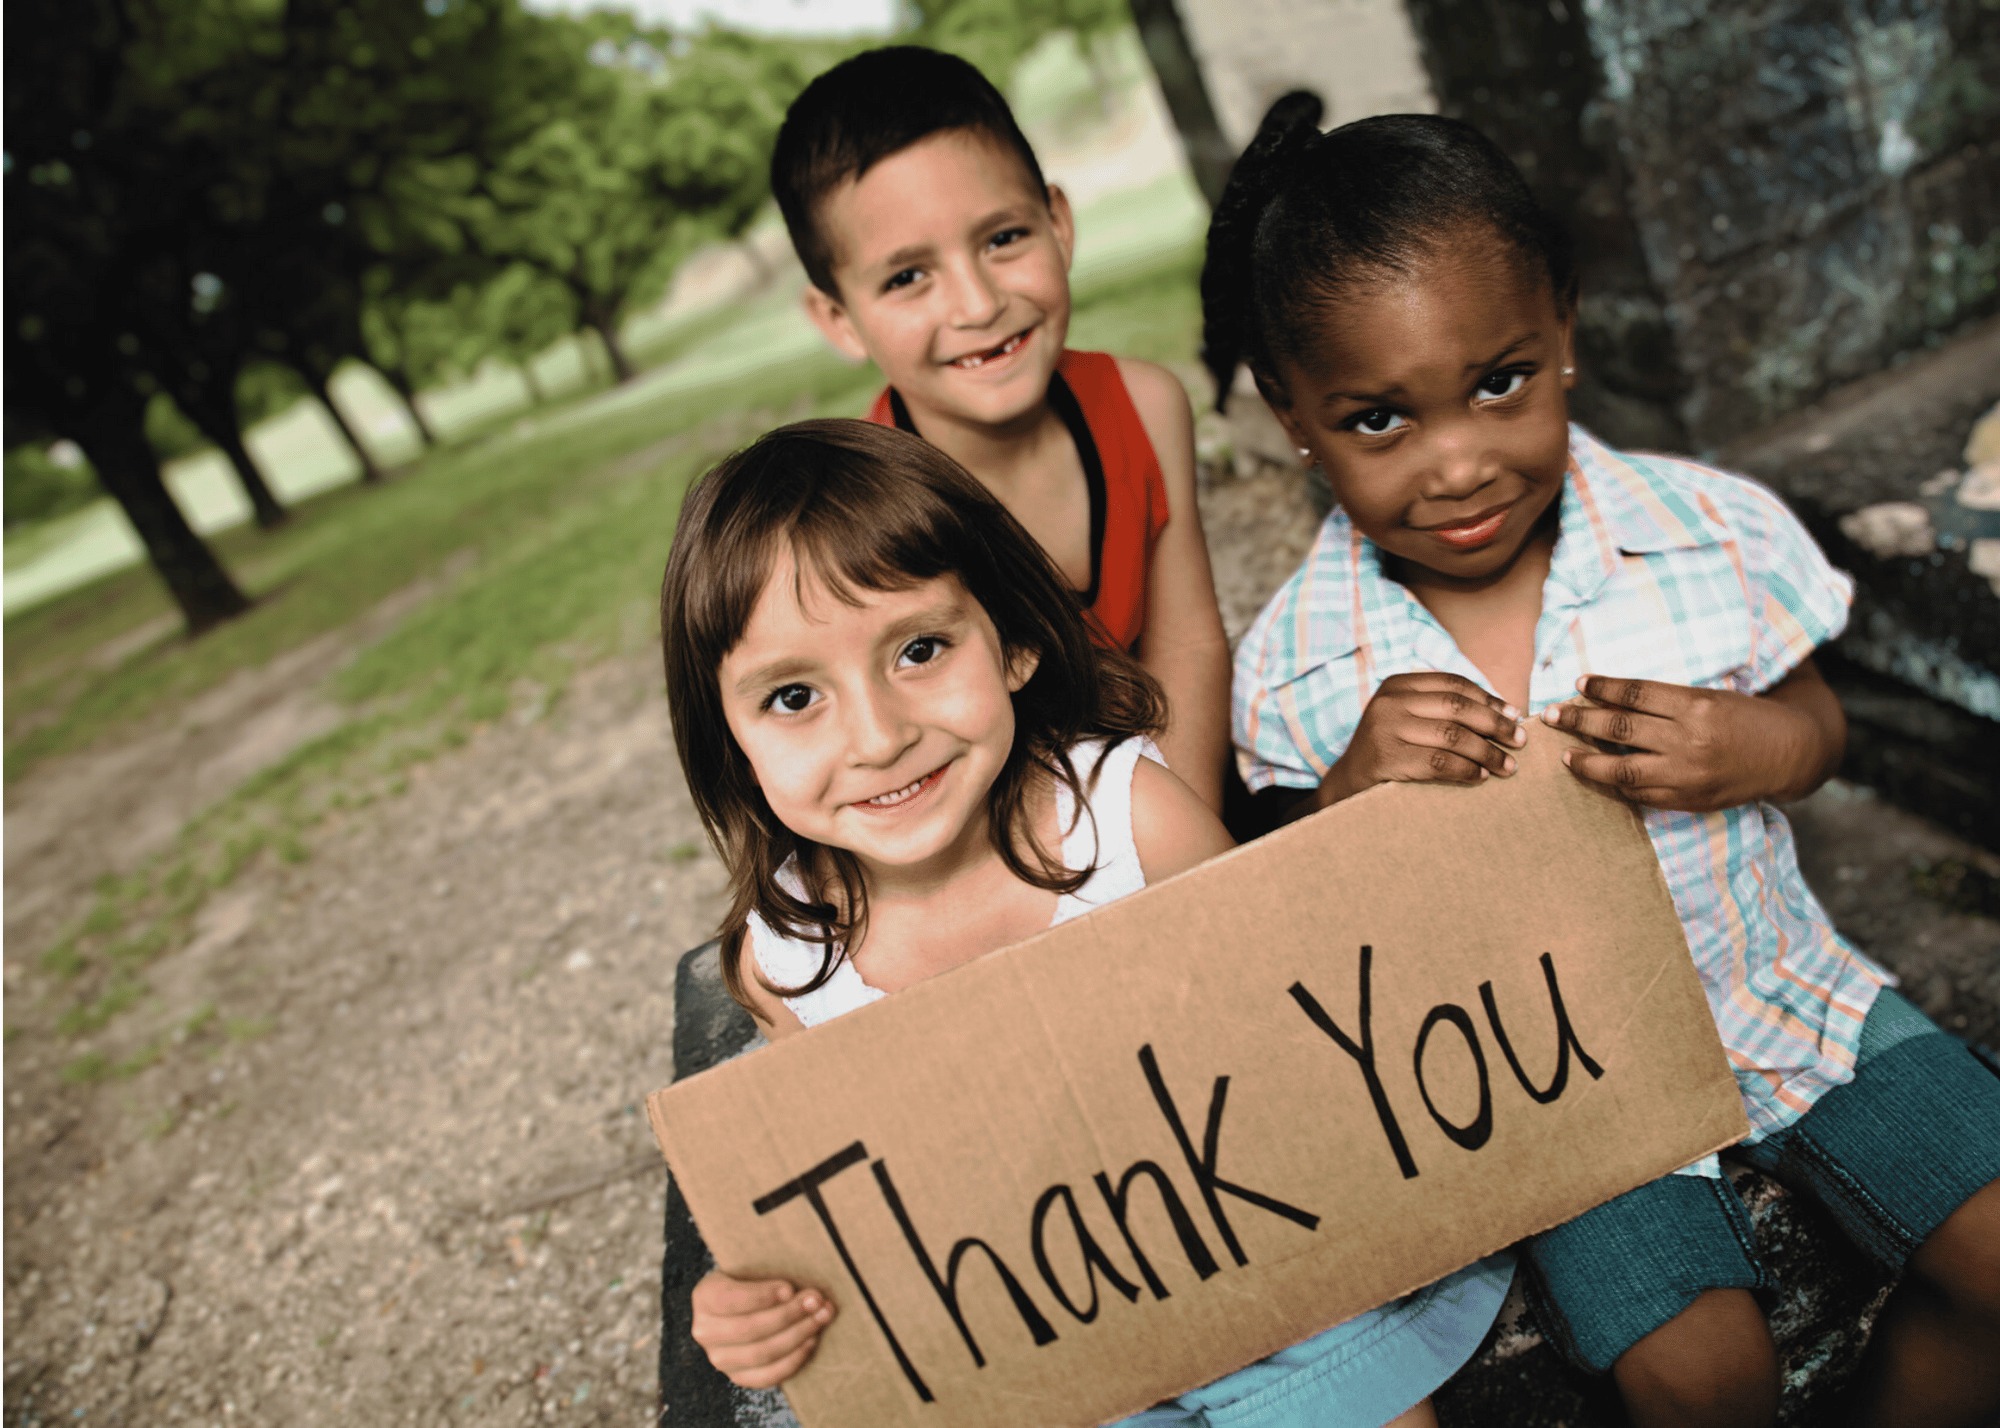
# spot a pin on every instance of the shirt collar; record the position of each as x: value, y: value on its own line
x: 1612, y: 505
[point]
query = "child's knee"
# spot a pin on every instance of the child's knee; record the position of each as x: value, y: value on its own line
x: 1960, y: 1262
x: 1713, y: 1364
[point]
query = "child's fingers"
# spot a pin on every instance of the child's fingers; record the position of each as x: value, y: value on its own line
x: 1459, y: 694
x: 724, y: 1294
x: 771, y: 1375
x: 1636, y: 778
x: 1612, y: 724
x: 1460, y: 747
x: 779, y: 1327
x: 1649, y: 696
x: 789, y: 1343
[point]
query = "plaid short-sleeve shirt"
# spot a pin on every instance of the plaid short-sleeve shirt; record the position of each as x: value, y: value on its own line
x: 1662, y: 570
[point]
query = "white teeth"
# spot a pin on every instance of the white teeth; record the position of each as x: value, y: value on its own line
x: 882, y: 800
x: 980, y: 359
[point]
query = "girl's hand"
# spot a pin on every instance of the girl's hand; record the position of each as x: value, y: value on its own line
x: 1700, y: 750
x: 1430, y: 727
x: 757, y: 1332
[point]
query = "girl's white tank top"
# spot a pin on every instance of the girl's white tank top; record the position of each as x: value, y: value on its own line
x: 1098, y: 837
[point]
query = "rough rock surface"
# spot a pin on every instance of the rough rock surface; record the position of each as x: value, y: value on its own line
x: 1771, y: 197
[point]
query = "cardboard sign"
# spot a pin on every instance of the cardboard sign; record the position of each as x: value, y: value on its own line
x: 1152, y: 1145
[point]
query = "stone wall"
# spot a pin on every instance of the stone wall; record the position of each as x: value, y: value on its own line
x: 1778, y: 195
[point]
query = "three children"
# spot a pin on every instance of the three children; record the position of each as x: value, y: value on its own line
x: 912, y: 749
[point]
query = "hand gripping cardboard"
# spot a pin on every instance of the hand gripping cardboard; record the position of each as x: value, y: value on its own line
x: 1149, y: 1146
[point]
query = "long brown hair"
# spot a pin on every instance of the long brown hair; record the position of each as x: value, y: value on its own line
x: 867, y: 507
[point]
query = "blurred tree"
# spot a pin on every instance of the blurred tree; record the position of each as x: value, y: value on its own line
x: 86, y: 198
x: 656, y: 148
x: 519, y: 315
x: 996, y: 34
x: 47, y: 479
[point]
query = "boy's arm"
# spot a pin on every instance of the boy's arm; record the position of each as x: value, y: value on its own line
x: 1182, y: 643
x: 1700, y: 750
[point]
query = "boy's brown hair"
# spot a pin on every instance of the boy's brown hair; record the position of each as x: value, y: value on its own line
x: 867, y: 507
x: 862, y: 111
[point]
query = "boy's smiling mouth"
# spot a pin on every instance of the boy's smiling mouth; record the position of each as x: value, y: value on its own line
x: 974, y: 360
x: 897, y: 797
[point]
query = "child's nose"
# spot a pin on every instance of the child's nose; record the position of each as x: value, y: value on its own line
x: 1461, y: 463
x: 878, y: 728
x: 976, y: 298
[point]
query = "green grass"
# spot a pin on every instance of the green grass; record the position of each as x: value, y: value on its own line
x: 542, y: 544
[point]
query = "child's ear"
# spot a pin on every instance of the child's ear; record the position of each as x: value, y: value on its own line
x: 834, y: 324
x: 1021, y: 667
x: 1569, y: 348
x: 1294, y: 431
x: 1064, y: 222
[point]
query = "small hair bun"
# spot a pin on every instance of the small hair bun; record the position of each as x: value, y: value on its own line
x: 1289, y: 113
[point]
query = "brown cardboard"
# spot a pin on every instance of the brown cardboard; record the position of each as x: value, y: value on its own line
x: 971, y: 1097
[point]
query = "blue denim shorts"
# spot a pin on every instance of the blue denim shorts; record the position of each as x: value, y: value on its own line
x: 1890, y: 1154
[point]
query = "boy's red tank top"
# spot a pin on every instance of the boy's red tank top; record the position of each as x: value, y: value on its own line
x: 1128, y: 497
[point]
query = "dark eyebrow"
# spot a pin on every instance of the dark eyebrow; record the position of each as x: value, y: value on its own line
x: 1388, y: 395
x: 948, y: 611
x: 778, y: 671
x: 1504, y: 353
x: 905, y: 257
x: 999, y: 216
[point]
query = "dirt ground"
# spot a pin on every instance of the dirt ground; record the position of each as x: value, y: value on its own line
x: 412, y: 1183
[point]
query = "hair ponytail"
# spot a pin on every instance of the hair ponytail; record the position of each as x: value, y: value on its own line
x: 1228, y: 325
x: 1305, y: 215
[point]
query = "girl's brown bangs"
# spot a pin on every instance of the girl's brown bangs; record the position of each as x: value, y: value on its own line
x: 888, y: 544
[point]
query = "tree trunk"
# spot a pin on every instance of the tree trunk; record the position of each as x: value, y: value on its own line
x: 1209, y: 154
x: 205, y: 407
x: 319, y: 387
x: 114, y: 438
x: 399, y: 379
x: 621, y: 369
x: 270, y: 512
x: 536, y: 395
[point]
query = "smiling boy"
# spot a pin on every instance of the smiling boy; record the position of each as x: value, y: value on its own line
x: 937, y: 250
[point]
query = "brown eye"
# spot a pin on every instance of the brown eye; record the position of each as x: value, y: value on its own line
x: 793, y: 698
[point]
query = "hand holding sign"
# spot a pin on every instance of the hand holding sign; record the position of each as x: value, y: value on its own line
x: 757, y: 1332
x: 1428, y: 727
x: 1699, y: 750
x: 1217, y: 1116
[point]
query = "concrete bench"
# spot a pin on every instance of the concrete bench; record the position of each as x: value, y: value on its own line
x: 1826, y: 1300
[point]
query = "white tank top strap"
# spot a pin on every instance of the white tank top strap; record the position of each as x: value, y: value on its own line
x: 1102, y: 838
x: 787, y: 962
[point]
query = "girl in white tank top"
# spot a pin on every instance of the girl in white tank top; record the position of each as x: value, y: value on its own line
x: 908, y: 750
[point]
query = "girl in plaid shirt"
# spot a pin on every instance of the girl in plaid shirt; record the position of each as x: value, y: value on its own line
x: 1408, y: 311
